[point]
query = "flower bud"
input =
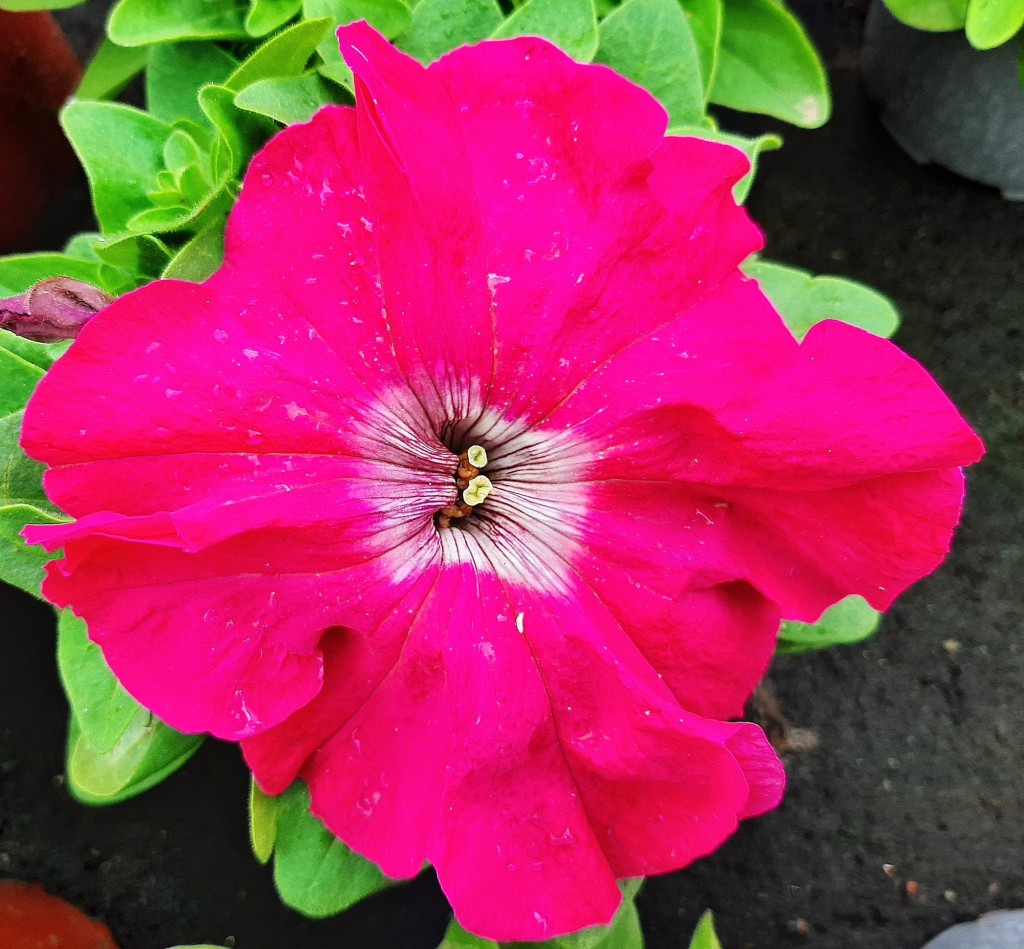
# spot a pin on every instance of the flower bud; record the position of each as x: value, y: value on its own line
x: 53, y: 310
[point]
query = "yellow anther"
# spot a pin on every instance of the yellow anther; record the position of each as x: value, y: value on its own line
x: 477, y: 490
x: 476, y: 455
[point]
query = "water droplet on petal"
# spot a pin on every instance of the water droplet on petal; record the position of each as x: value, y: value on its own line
x: 563, y: 839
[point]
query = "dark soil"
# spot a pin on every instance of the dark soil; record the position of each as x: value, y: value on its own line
x: 909, y: 815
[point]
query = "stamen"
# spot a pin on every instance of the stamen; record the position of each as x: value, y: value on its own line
x: 473, y: 486
x: 477, y: 490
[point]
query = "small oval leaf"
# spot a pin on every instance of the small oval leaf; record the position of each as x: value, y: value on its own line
x: 315, y: 873
x: 121, y: 177
x: 439, y: 26
x: 263, y: 814
x: 991, y: 23
x: 848, y: 621
x: 936, y: 16
x: 569, y: 24
x: 140, y: 22
x: 651, y: 43
x: 804, y: 300
x: 767, y: 64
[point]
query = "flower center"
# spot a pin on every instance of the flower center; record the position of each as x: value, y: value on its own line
x: 471, y: 487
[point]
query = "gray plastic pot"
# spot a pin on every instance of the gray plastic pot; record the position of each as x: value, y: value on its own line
x: 946, y: 102
x: 1003, y: 929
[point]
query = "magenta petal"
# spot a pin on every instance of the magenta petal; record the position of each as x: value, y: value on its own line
x: 873, y: 538
x: 623, y: 734
x: 766, y: 778
x: 285, y: 590
x: 590, y: 217
x: 354, y: 667
x: 504, y: 711
x: 194, y: 682
x: 326, y: 280
x: 801, y: 464
x: 846, y: 406
x: 427, y: 225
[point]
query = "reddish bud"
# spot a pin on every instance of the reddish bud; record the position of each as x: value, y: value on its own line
x: 53, y: 310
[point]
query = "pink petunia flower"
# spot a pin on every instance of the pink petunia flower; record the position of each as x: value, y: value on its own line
x: 493, y: 275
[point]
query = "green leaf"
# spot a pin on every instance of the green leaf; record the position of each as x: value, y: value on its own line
x: 22, y: 565
x: 767, y: 64
x: 848, y: 621
x: 147, y: 753
x: 22, y: 501
x: 188, y: 217
x: 19, y: 6
x: 439, y: 26
x: 176, y: 73
x: 570, y: 24
x: 42, y: 355
x: 116, y: 748
x: 751, y: 147
x: 991, y: 23
x: 20, y: 378
x: 936, y: 16
x: 803, y: 300
x: 121, y: 177
x: 140, y: 22
x: 110, y: 70
x: 242, y: 133
x: 705, y: 18
x: 315, y: 873
x: 390, y: 17
x: 339, y: 73
x: 154, y: 220
x: 650, y: 42
x: 199, y: 258
x: 456, y: 937
x: 103, y: 709
x: 623, y: 933
x: 181, y: 151
x: 21, y: 478
x: 21, y: 271
x: 263, y: 814
x: 265, y: 16
x: 80, y: 246
x: 704, y: 936
x: 82, y: 251
x: 283, y: 55
x: 142, y: 256
x: 289, y: 99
